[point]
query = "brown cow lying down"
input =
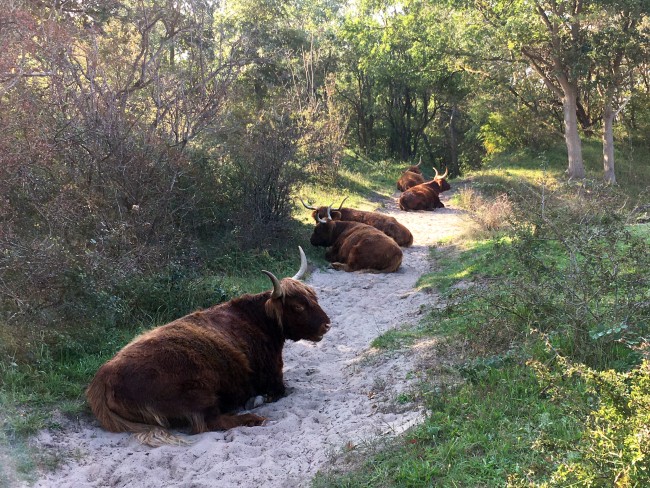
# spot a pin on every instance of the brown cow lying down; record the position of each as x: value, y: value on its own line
x: 385, y: 223
x: 425, y: 196
x: 354, y: 246
x: 411, y: 177
x: 196, y: 368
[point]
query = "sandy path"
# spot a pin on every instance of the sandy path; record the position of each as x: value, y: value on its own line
x: 328, y: 406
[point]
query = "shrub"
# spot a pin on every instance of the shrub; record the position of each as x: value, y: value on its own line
x: 490, y: 213
x: 615, y: 448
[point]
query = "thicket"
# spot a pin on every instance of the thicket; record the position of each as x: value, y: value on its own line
x: 571, y: 303
x: 136, y: 151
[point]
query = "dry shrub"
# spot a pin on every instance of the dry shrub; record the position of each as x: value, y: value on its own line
x: 491, y: 214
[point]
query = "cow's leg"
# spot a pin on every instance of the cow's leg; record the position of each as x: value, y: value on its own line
x: 228, y: 421
x: 213, y: 419
x: 341, y: 267
x: 274, y: 394
x: 331, y: 254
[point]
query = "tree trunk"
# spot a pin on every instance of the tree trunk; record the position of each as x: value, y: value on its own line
x: 608, y: 143
x: 453, y: 141
x: 571, y: 136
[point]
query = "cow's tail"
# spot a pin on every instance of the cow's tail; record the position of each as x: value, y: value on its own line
x: 150, y: 435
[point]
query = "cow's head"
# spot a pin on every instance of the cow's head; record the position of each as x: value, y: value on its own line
x: 443, y: 184
x: 323, y: 212
x: 323, y: 234
x: 416, y: 168
x: 294, y: 306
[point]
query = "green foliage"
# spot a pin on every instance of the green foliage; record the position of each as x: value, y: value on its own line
x: 614, y: 449
x: 515, y: 129
x: 554, y: 314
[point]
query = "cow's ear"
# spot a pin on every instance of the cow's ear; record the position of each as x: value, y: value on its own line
x: 336, y: 215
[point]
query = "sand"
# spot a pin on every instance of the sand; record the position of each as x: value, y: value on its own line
x: 337, y: 398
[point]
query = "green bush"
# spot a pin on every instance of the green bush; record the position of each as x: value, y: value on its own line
x: 615, y: 448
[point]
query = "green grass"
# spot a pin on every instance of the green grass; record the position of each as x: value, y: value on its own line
x: 51, y: 375
x: 479, y: 434
x: 632, y: 167
x: 394, y: 339
x: 477, y: 259
x: 525, y: 416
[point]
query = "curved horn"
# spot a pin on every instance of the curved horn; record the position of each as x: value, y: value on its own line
x: 277, y: 287
x: 303, y: 265
x: 446, y: 173
x: 341, y: 206
x: 419, y: 162
x: 305, y: 205
x: 322, y: 221
x: 329, y: 215
x: 434, y: 169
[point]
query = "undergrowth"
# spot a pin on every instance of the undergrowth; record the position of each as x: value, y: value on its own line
x: 44, y: 372
x: 553, y: 305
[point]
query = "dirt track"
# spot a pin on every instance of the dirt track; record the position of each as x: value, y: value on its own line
x: 337, y: 396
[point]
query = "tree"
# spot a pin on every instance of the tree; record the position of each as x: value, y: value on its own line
x: 574, y: 46
x: 400, y: 79
x: 553, y: 46
x: 619, y: 43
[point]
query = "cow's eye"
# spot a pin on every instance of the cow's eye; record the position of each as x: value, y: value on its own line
x: 298, y: 308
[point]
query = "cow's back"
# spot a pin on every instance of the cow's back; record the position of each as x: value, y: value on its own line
x: 408, y: 180
x: 420, y: 197
x: 364, y: 247
x: 181, y: 367
x: 384, y: 223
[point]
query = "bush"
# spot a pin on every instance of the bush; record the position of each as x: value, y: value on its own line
x: 615, y: 448
x: 490, y: 213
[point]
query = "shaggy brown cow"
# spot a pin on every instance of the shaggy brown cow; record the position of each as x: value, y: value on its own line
x: 425, y: 196
x: 385, y: 223
x: 353, y: 246
x: 195, y: 368
x: 411, y: 177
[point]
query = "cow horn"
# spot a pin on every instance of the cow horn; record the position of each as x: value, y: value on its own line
x: 434, y: 169
x: 305, y: 205
x: 303, y: 264
x: 277, y: 287
x: 322, y: 221
x: 329, y: 215
x: 341, y: 206
x: 417, y: 165
x: 446, y: 173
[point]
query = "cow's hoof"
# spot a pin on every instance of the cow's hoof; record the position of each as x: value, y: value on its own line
x: 254, y: 402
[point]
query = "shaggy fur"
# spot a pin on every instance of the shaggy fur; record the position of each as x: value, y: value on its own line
x: 354, y: 246
x: 198, y: 368
x: 385, y: 223
x: 424, y: 196
x: 410, y: 177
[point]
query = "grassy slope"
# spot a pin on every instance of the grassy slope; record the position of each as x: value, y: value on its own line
x: 505, y: 425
